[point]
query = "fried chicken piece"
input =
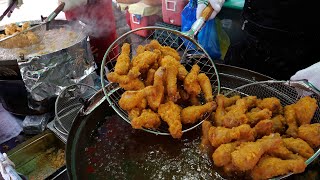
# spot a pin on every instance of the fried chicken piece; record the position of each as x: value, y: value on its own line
x: 133, y: 85
x: 251, y: 101
x: 272, y: 103
x: 269, y: 167
x: 206, y: 87
x: 310, y: 133
x: 171, y: 76
x: 125, y: 82
x: 230, y: 101
x: 247, y: 155
x: 136, y: 111
x: 131, y: 99
x: 150, y: 77
x: 182, y: 72
x: 194, y: 100
x: 222, y: 135
x: 191, y: 84
x: 279, y: 124
x: 165, y: 50
x: 222, y: 155
x: 205, y: 143
x: 170, y: 113
x: 192, y: 114
x: 220, y: 111
x: 156, y: 99
x: 290, y: 116
x: 298, y: 146
x: 263, y: 128
x: 142, y: 63
x: 236, y: 115
x: 183, y: 94
x: 280, y: 151
x: 305, y: 109
x: 147, y: 119
x: 140, y: 49
x: 123, y: 61
x: 255, y: 117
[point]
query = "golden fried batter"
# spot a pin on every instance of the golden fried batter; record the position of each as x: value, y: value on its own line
x: 310, y: 133
x: 279, y: 124
x: 272, y: 103
x: 171, y: 76
x: 291, y: 120
x: 192, y: 114
x: 222, y: 155
x: 150, y: 77
x: 125, y: 82
x: 248, y: 154
x: 142, y: 63
x: 123, y: 61
x: 263, y: 128
x: 269, y: 167
x: 298, y: 146
x: 205, y: 143
x: 255, y: 117
x: 165, y: 50
x: 147, y: 119
x: 222, y: 135
x: 156, y: 99
x: 170, y: 113
x: 305, y: 109
x: 131, y: 99
x: 236, y: 115
x: 206, y: 87
x: 191, y: 84
x: 230, y: 101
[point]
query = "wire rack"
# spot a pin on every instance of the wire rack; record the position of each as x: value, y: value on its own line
x: 286, y: 91
x: 189, y: 50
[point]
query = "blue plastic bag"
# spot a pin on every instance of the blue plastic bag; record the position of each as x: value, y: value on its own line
x: 211, y: 37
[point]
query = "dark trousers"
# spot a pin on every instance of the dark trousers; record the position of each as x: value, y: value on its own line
x: 277, y: 56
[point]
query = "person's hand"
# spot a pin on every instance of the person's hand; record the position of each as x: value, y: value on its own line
x: 216, y: 5
x: 71, y: 4
x: 311, y: 73
x: 18, y: 4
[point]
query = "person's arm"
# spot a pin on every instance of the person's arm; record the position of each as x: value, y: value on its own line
x: 311, y: 73
x: 216, y: 5
x: 70, y: 4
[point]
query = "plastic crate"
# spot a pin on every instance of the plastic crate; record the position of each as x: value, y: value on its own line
x: 171, y: 11
x: 165, y: 38
x: 138, y: 21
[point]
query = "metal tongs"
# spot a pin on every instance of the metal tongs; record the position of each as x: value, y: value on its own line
x: 9, y: 10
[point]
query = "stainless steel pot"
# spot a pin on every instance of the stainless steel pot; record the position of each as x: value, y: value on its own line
x: 45, y: 75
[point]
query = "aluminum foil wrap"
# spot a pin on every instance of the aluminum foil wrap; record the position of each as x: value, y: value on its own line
x: 45, y: 76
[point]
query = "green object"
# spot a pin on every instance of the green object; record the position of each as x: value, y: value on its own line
x: 234, y: 4
x: 31, y: 157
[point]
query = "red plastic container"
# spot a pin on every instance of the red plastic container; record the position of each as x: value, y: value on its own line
x: 171, y: 11
x: 138, y: 21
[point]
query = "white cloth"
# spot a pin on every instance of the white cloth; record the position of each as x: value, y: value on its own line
x: 10, y: 126
x: 311, y: 73
x: 30, y: 10
x: 4, y: 163
x: 216, y: 5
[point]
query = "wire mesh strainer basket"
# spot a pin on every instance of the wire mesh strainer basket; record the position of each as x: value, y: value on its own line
x: 68, y: 104
x: 189, y: 50
x: 289, y: 92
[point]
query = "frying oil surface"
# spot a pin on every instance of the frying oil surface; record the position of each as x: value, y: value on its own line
x: 117, y: 151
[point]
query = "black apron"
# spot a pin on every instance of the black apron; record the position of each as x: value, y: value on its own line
x: 278, y: 40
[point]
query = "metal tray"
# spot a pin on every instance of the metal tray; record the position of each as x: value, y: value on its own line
x: 31, y: 158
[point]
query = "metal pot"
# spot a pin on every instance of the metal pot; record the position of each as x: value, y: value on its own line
x: 32, y: 102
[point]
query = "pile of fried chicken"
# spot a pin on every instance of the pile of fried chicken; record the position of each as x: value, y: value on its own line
x: 22, y: 40
x: 260, y: 137
x: 159, y: 88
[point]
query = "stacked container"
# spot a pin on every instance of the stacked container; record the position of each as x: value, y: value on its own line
x: 171, y: 11
x: 142, y: 15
